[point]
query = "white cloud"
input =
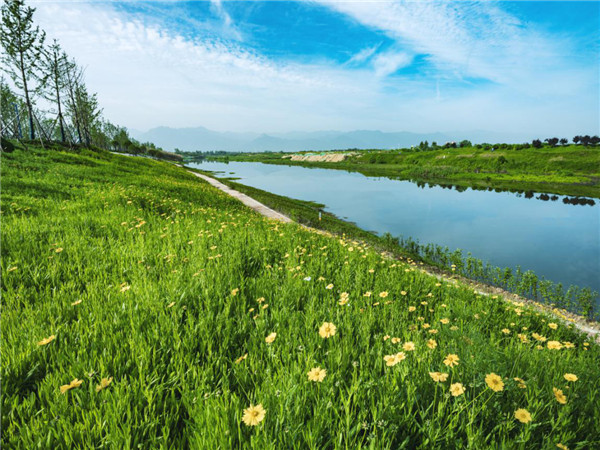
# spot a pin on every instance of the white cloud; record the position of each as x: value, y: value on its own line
x: 147, y: 75
x: 389, y: 62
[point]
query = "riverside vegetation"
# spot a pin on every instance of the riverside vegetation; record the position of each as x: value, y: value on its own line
x: 144, y: 308
x: 566, y: 170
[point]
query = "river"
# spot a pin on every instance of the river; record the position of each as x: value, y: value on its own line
x: 559, y: 241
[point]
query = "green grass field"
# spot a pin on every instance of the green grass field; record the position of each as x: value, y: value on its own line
x: 570, y: 170
x: 137, y: 273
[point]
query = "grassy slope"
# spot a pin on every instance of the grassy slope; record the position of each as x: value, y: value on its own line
x: 571, y: 170
x: 154, y: 255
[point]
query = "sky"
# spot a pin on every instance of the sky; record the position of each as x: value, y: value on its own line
x: 420, y: 66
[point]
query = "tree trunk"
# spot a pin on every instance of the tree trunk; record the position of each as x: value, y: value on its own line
x: 28, y: 101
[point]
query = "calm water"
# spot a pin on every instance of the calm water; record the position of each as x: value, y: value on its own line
x: 558, y: 241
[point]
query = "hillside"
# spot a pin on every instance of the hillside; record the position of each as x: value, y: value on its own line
x: 144, y: 308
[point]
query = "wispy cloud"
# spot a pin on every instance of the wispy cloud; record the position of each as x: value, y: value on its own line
x: 450, y: 66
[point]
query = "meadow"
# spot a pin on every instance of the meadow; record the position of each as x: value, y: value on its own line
x: 144, y: 308
x: 565, y: 170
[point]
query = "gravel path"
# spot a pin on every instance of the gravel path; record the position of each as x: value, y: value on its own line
x: 248, y: 201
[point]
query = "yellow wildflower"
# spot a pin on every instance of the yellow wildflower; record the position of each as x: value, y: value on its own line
x: 327, y: 330
x: 522, y: 415
x: 47, y: 340
x: 570, y: 377
x: 383, y: 294
x: 76, y: 302
x: 457, y: 389
x: 395, y: 340
x: 234, y: 292
x: 104, y: 383
x: 392, y: 360
x: 367, y: 294
x: 241, y: 358
x: 494, y: 382
x: 521, y: 382
x: 438, y: 376
x: 560, y: 397
x: 431, y: 343
x: 254, y: 415
x: 408, y: 346
x: 329, y: 286
x: 451, y: 360
x: 73, y: 384
x: 505, y: 330
x: 554, y: 345
x: 270, y: 338
x: 553, y: 326
x: 411, y: 308
x: 317, y: 374
x: 445, y: 321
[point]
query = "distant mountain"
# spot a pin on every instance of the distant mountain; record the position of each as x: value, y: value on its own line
x: 200, y: 138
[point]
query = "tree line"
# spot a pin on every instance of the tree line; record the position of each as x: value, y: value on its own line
x: 44, y: 71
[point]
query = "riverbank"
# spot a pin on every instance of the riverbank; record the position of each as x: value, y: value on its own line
x: 133, y: 289
x: 570, y: 170
x: 497, y: 282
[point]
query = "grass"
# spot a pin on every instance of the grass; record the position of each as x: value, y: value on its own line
x: 570, y: 170
x: 151, y: 277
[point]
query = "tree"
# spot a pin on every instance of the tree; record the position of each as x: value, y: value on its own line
x: 55, y: 65
x: 8, y: 115
x: 564, y: 141
x: 23, y: 46
x: 552, y: 141
x: 595, y: 140
x: 536, y: 143
x: 577, y: 139
x: 465, y: 143
x: 585, y: 140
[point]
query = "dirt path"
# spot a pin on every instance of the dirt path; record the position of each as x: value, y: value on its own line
x: 590, y: 328
x: 248, y: 201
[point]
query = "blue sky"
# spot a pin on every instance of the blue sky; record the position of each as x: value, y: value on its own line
x: 511, y: 67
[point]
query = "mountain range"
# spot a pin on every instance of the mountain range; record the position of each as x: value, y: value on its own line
x: 203, y: 139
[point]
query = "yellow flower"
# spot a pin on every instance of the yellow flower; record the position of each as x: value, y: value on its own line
x: 554, y: 345
x: 553, y: 326
x: 457, y: 389
x: 433, y: 331
x: 445, y: 321
x: 562, y: 447
x: 494, y: 382
x: 254, y: 415
x: 451, y: 360
x: 522, y: 415
x: 386, y: 337
x: 383, y: 294
x: 402, y: 292
x: 317, y: 374
x: 47, y: 340
x: 104, y: 382
x: 260, y: 299
x: 125, y: 287
x: 571, y: 377
x: 270, y: 338
x: 392, y: 360
x: 367, y: 294
x: 170, y: 305
x: 235, y: 291
x: 408, y: 346
x: 521, y: 382
x: 73, y: 384
x: 411, y: 308
x: 505, y: 330
x: 438, y: 376
x: 76, y: 302
x: 431, y: 343
x: 329, y: 286
x: 327, y: 330
x: 569, y: 345
x: 560, y: 397
x: 539, y: 338
x: 241, y: 358
x: 58, y: 250
x: 395, y: 340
